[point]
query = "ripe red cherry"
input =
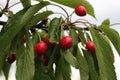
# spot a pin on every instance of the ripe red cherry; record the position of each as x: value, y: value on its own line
x: 45, y: 61
x: 48, y: 42
x: 11, y: 58
x: 40, y: 48
x: 80, y: 10
x: 24, y: 39
x: 90, y: 46
x: 66, y: 42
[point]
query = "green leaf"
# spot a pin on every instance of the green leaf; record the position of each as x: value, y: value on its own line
x: 3, y: 55
x: 113, y: 36
x: 12, y: 22
x: 63, y: 70
x: 103, y: 57
x: 74, y: 36
x: 58, y: 71
x: 42, y: 72
x: 26, y: 3
x: 83, y: 66
x: 38, y: 17
x: 82, y: 37
x: 53, y: 56
x: 94, y: 75
x: 13, y: 29
x: 88, y: 38
x: 25, y: 63
x: 6, y: 69
x: 31, y: 11
x: 53, y: 30
x: 106, y: 22
x: 68, y: 56
x: 17, y: 27
x: 73, y: 4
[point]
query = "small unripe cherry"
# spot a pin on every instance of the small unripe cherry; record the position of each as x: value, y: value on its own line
x: 40, y: 48
x: 66, y: 42
x: 11, y: 58
x: 80, y: 10
x: 45, y: 60
x: 48, y: 42
x: 24, y: 39
x: 90, y: 46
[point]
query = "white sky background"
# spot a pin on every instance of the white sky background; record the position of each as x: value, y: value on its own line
x: 103, y: 9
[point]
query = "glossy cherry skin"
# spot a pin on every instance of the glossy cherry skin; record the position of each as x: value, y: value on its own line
x: 48, y: 41
x: 40, y: 48
x: 80, y: 10
x: 90, y: 46
x: 66, y: 42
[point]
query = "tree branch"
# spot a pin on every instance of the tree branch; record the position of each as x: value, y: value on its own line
x: 2, y: 23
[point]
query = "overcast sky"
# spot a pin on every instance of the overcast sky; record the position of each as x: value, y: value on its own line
x: 103, y: 9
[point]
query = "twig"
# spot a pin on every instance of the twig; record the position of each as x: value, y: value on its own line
x: 2, y: 23
x: 115, y: 24
x: 14, y: 4
x: 7, y: 4
x: 63, y: 10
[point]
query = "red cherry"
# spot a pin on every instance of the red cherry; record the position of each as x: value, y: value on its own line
x: 90, y: 46
x: 24, y: 39
x: 66, y: 42
x: 48, y: 42
x: 80, y: 10
x: 45, y: 61
x: 40, y: 48
x: 11, y: 58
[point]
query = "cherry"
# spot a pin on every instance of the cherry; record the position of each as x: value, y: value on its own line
x: 48, y: 42
x: 80, y: 10
x: 90, y: 46
x: 24, y: 39
x: 11, y: 58
x: 66, y: 42
x: 45, y: 61
x: 40, y: 48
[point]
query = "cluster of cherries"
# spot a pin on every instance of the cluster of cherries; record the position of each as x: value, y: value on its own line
x: 40, y: 48
x: 81, y: 11
x: 65, y: 42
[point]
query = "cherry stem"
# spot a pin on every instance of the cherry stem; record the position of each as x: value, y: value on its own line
x: 63, y: 10
x: 61, y: 14
x: 71, y: 15
x: 14, y: 4
x: 115, y: 24
x: 38, y: 35
x: 82, y: 22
